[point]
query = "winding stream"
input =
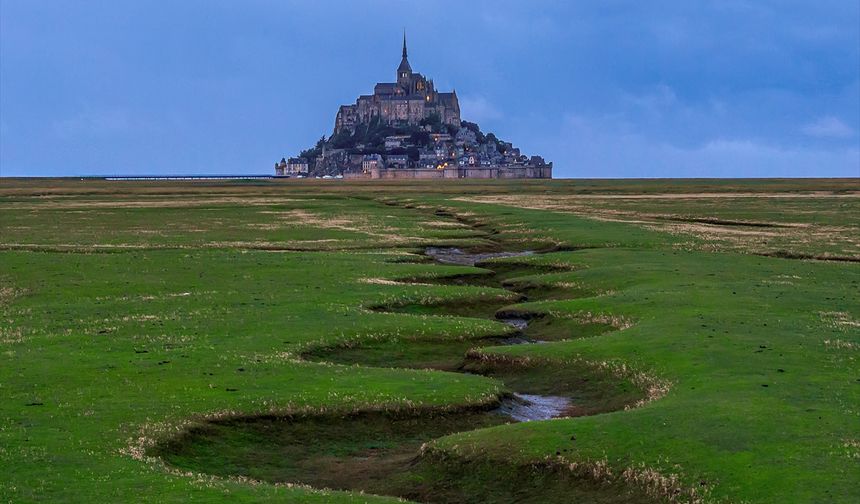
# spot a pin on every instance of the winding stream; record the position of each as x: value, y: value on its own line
x: 520, y: 407
x: 375, y: 451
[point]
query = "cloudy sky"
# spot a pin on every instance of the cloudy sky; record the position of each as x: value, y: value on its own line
x: 602, y: 88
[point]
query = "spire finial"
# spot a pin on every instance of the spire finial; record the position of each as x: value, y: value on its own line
x: 404, y: 42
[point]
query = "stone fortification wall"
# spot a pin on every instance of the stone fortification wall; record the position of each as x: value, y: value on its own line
x: 482, y: 172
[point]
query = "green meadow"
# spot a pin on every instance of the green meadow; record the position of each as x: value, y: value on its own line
x: 290, y: 341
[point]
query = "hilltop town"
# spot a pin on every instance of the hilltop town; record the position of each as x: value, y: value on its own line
x: 408, y: 129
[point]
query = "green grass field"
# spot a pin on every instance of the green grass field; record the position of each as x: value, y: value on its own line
x: 256, y: 341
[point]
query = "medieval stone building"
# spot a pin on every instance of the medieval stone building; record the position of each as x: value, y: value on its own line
x: 405, y: 102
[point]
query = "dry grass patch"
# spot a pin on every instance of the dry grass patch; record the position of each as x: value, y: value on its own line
x: 700, y: 216
x: 838, y: 320
x: 139, y: 202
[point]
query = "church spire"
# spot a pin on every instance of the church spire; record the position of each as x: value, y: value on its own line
x: 404, y: 71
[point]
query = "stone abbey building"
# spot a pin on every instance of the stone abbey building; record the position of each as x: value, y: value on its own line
x: 405, y: 102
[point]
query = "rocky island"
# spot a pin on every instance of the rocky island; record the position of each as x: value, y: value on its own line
x: 408, y: 129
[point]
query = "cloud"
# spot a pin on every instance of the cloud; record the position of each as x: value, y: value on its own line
x: 604, y: 147
x: 476, y: 108
x: 828, y: 127
x: 654, y: 100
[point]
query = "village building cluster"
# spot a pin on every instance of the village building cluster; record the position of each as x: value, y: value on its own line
x: 407, y: 129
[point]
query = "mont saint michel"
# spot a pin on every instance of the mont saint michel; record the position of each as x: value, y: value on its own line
x: 409, y: 129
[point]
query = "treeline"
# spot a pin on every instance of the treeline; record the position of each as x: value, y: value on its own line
x: 371, y: 136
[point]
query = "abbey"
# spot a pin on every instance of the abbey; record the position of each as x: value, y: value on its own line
x: 408, y: 101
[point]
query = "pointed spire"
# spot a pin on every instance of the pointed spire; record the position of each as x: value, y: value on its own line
x: 404, y: 67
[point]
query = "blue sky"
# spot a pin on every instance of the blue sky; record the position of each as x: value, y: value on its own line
x: 603, y: 89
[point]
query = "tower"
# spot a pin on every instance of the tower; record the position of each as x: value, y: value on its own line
x: 404, y: 71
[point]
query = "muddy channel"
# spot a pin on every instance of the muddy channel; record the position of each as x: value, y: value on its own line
x: 378, y: 451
